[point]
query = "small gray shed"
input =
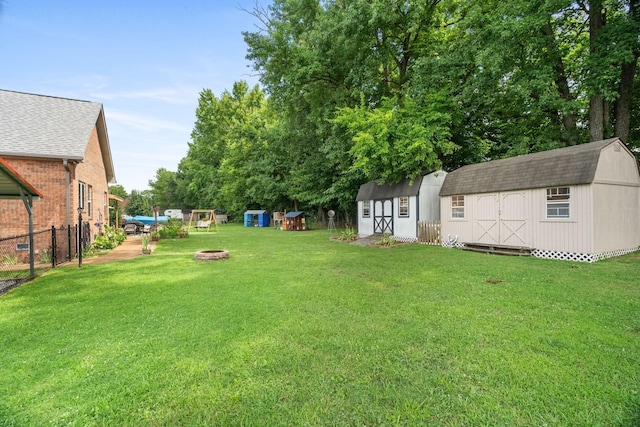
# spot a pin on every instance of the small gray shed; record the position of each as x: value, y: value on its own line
x: 397, y: 209
x: 577, y: 203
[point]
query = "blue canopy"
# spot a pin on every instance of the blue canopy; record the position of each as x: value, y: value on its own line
x: 149, y: 220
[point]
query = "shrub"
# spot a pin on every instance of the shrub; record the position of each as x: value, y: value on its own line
x: 171, y: 229
x: 9, y: 260
x: 349, y: 235
x: 386, y: 240
x: 110, y: 239
x: 45, y: 256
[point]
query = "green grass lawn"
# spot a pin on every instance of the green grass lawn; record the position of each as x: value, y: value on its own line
x: 294, y: 329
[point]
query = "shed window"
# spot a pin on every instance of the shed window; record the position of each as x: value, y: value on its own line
x: 457, y: 206
x: 558, y: 202
x: 404, y: 206
x: 366, y: 208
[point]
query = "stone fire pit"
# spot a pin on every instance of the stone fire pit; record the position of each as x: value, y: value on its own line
x: 211, y: 255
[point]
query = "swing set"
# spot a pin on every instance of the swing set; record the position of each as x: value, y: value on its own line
x: 210, y: 219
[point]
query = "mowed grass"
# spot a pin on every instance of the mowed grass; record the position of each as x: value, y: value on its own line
x: 295, y: 329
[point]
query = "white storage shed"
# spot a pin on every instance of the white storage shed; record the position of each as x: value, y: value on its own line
x: 397, y: 209
x: 577, y: 203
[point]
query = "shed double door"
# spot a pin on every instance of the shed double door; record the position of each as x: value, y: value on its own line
x: 502, y: 219
x: 383, y: 216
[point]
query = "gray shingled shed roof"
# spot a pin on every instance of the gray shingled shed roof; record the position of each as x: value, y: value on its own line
x: 48, y: 127
x: 564, y: 166
x: 374, y: 191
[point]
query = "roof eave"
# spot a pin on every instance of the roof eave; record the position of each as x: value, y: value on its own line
x: 105, y: 148
x: 41, y: 156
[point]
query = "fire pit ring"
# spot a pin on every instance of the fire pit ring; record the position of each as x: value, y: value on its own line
x: 211, y: 255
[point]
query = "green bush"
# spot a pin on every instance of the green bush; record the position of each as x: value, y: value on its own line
x: 110, y: 239
x: 171, y: 229
x: 386, y: 240
x: 349, y: 235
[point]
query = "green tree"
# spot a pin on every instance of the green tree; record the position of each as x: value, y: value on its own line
x: 118, y: 190
x: 393, y: 142
x: 164, y: 189
x: 114, y: 207
x: 140, y: 203
x: 318, y: 58
x: 230, y: 164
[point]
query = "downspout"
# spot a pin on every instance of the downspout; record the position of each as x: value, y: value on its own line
x: 417, y: 214
x: 67, y: 183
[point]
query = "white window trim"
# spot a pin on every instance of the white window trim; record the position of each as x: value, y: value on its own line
x: 555, y: 204
x: 460, y: 209
x: 366, y: 208
x: 82, y: 188
x: 90, y: 201
x: 400, y: 207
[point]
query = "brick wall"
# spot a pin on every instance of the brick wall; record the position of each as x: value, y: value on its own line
x: 48, y: 177
x: 93, y: 174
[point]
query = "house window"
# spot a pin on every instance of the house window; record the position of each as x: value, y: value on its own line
x: 404, y: 206
x: 90, y: 201
x: 81, y: 192
x: 366, y: 208
x: 457, y: 206
x: 105, y: 206
x: 558, y: 203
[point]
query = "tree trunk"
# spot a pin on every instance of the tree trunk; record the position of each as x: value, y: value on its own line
x: 627, y: 77
x: 596, y: 103
x: 569, y: 120
x: 596, y: 118
x: 623, y: 103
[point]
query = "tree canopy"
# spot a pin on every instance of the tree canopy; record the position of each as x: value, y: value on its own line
x: 357, y: 90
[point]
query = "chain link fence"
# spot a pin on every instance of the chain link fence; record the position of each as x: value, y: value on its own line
x: 50, y: 248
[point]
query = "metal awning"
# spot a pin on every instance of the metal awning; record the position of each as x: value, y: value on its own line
x: 14, y: 186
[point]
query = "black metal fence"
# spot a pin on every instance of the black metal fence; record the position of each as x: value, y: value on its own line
x: 50, y: 248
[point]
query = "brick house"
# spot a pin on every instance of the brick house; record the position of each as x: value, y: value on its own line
x: 61, y: 147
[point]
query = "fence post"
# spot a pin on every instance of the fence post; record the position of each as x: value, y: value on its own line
x: 54, y: 247
x: 68, y: 242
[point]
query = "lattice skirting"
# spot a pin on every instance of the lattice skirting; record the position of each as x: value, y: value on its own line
x: 571, y: 256
x: 405, y: 239
x: 453, y: 244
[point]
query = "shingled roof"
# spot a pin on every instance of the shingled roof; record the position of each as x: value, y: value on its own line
x: 372, y: 190
x: 573, y: 165
x: 49, y: 127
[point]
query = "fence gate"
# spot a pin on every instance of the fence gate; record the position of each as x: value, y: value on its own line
x: 383, y: 216
x: 429, y: 232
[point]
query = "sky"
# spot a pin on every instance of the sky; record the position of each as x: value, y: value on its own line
x: 146, y: 61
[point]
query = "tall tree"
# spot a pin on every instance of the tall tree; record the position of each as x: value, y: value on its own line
x: 140, y: 203
x: 118, y: 190
x: 164, y: 189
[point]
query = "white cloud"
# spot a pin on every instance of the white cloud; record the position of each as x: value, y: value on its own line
x: 144, y: 122
x: 168, y: 95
